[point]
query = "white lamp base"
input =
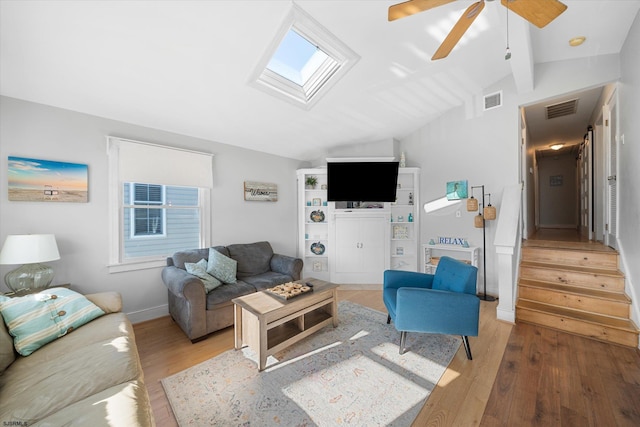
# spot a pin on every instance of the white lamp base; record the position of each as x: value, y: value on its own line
x: 29, y: 278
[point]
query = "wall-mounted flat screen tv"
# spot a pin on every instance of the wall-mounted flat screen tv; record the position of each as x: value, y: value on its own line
x: 362, y: 181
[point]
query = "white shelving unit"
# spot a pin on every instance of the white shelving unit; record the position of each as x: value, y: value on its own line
x: 405, y: 221
x: 432, y: 252
x: 313, y: 243
x: 399, y: 246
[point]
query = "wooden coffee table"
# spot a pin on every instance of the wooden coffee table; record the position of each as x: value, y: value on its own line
x: 268, y: 324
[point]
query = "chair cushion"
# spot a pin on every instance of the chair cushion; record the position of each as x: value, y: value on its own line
x: 37, y: 319
x: 453, y: 275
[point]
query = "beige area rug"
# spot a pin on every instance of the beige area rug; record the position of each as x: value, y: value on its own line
x: 348, y: 375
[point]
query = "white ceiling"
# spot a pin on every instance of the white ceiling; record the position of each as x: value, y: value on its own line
x: 184, y: 66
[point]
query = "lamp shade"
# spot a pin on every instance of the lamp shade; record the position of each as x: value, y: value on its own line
x: 490, y: 212
x: 29, y: 249
x: 472, y: 204
x: 478, y: 221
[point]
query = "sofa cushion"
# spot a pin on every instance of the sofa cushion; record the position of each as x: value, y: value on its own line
x: 226, y: 293
x: 7, y: 351
x: 199, y: 269
x: 37, y: 319
x: 193, y: 255
x: 252, y: 258
x: 96, y: 357
x: 267, y: 280
x: 221, y: 267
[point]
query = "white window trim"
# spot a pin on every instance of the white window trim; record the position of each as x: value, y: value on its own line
x: 341, y: 59
x: 116, y: 220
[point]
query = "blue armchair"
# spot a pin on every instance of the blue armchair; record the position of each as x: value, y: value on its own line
x: 444, y: 303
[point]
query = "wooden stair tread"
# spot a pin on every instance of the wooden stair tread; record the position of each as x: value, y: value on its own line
x: 611, y: 322
x: 578, y: 290
x: 585, y: 246
x: 574, y: 268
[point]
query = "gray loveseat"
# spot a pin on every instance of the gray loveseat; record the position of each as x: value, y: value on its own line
x: 199, y: 313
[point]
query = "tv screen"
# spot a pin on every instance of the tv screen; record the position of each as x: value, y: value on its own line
x: 362, y: 181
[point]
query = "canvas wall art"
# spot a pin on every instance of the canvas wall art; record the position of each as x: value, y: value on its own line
x: 36, y: 180
x: 457, y: 190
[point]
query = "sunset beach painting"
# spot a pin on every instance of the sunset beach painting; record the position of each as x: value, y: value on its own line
x: 35, y: 180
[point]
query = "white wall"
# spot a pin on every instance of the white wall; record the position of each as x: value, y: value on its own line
x: 42, y: 132
x: 482, y: 150
x: 629, y: 167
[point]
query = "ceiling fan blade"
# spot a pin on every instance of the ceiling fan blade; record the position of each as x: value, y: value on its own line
x: 458, y: 30
x: 411, y: 7
x: 539, y: 12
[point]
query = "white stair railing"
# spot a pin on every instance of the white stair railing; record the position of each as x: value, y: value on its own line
x: 507, y: 243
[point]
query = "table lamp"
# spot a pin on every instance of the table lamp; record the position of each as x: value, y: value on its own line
x: 30, y: 250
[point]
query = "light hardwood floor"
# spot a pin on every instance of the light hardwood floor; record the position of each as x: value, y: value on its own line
x: 165, y: 350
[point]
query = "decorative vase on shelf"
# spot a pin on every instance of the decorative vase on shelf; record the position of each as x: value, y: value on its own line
x: 403, y: 160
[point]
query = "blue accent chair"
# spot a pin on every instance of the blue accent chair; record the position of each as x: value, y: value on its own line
x: 441, y: 303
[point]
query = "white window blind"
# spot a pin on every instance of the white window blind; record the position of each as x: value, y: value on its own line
x: 158, y: 164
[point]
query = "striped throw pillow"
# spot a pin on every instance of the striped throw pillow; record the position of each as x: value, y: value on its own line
x: 37, y: 319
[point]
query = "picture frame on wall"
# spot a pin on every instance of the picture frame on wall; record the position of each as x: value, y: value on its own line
x: 38, y: 180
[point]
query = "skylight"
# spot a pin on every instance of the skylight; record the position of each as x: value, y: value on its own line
x: 303, y: 61
x: 296, y: 58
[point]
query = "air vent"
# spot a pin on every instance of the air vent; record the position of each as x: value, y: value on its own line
x: 493, y: 100
x: 562, y: 109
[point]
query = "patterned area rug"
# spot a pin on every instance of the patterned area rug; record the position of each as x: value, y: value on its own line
x: 348, y: 375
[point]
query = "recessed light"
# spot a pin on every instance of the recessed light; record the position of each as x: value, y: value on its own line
x: 577, y: 41
x: 556, y: 146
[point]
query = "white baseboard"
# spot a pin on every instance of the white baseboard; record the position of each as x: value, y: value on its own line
x: 506, y: 315
x: 148, y: 313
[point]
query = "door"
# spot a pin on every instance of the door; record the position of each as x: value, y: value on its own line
x: 611, y: 155
x: 585, y: 173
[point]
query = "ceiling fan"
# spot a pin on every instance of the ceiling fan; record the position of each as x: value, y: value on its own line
x: 538, y: 12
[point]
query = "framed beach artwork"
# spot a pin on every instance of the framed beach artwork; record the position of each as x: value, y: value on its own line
x: 36, y: 180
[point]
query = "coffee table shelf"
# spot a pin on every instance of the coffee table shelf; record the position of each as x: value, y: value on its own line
x: 268, y: 324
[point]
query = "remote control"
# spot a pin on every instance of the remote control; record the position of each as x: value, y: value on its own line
x: 309, y: 284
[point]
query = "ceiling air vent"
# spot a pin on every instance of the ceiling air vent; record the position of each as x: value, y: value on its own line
x: 562, y: 109
x: 493, y: 100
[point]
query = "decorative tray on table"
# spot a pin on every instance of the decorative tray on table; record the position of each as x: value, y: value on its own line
x: 289, y: 290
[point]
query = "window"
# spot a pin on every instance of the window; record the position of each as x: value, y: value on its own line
x: 148, y: 221
x: 153, y: 212
x: 303, y: 61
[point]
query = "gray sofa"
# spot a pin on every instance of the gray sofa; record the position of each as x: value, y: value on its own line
x: 199, y: 313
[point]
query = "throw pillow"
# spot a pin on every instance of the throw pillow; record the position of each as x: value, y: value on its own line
x: 37, y: 319
x: 222, y: 267
x: 199, y: 269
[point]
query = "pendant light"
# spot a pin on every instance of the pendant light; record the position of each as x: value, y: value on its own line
x: 489, y: 211
x: 478, y: 221
x: 472, y: 203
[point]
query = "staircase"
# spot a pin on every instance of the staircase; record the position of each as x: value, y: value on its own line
x: 575, y: 287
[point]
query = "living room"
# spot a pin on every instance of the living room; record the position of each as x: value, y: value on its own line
x: 461, y: 143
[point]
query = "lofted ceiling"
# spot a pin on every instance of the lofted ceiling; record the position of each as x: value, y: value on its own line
x: 185, y: 66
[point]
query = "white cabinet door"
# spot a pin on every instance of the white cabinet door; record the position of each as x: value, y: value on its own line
x: 361, y: 249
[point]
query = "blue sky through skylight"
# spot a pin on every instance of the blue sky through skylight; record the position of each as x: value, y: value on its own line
x: 296, y: 59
